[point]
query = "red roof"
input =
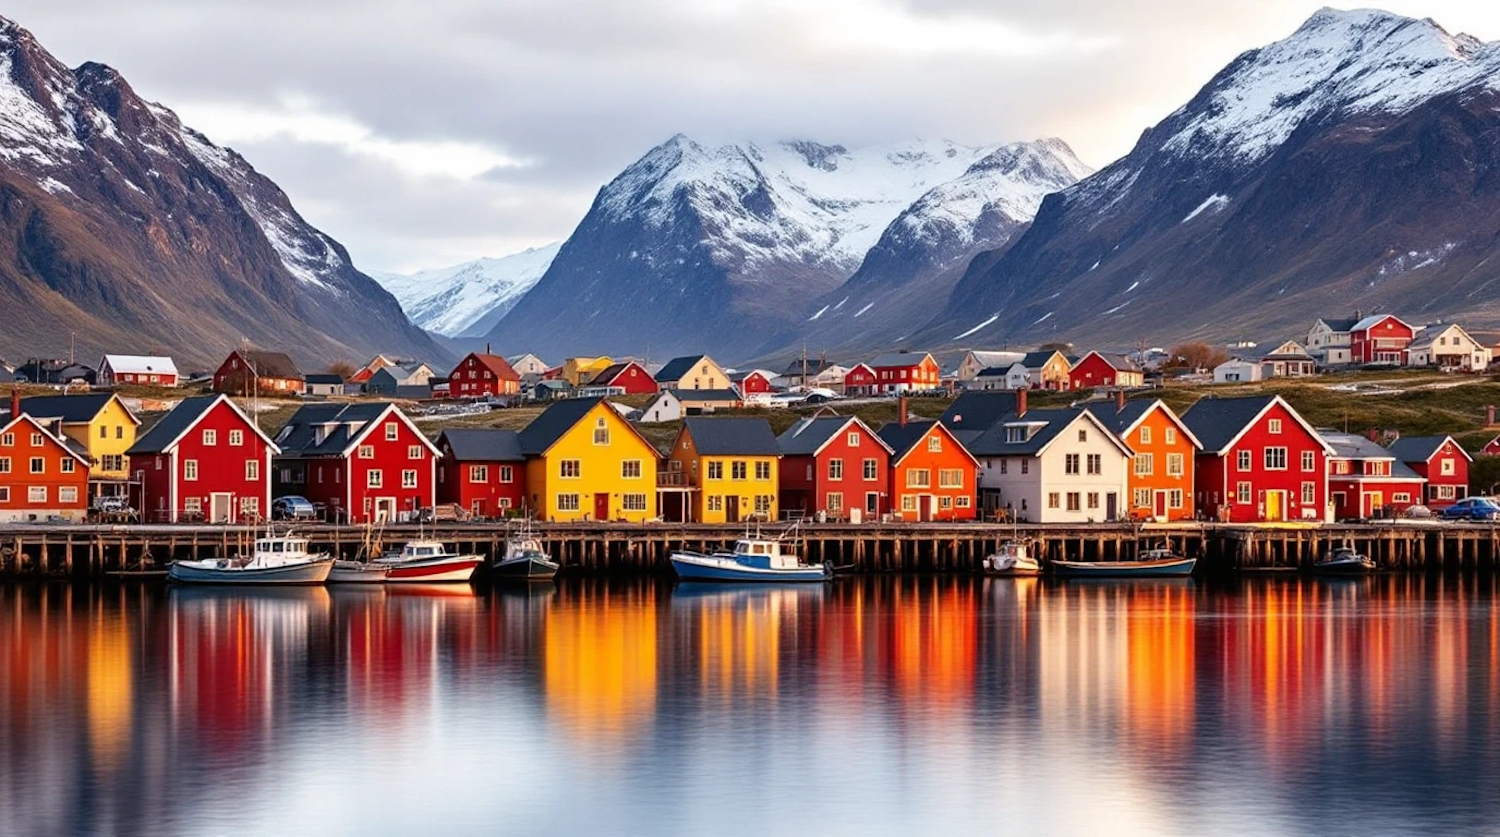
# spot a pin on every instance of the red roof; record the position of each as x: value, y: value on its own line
x: 498, y: 365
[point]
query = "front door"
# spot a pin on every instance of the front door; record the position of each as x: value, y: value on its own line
x: 1273, y: 505
x: 1160, y: 508
x: 385, y: 509
x: 872, y: 503
x: 601, y: 506
x: 220, y: 507
x: 1111, y: 506
x: 926, y: 503
x: 732, y: 509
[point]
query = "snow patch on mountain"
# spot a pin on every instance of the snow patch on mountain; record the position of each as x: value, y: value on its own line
x: 467, y: 299
x: 1214, y: 203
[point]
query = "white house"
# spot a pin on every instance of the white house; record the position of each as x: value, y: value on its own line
x: 1449, y: 347
x: 976, y: 361
x: 664, y: 407
x: 527, y: 364
x: 1328, y: 341
x: 1236, y: 371
x: 1052, y: 466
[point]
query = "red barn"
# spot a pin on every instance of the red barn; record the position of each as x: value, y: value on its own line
x: 1380, y: 338
x: 833, y: 464
x: 137, y: 369
x: 248, y: 370
x: 480, y: 375
x: 1260, y: 461
x: 904, y: 371
x: 482, y: 469
x: 1100, y: 370
x: 1439, y: 460
x: 753, y: 382
x: 365, y: 463
x: 861, y: 380
x: 1367, y: 481
x: 42, y: 475
x: 205, y: 460
x: 628, y: 378
x: 933, y: 476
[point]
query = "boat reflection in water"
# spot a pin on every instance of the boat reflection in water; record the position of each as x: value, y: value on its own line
x: 911, y: 705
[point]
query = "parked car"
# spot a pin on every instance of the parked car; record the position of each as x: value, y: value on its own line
x: 1473, y: 508
x: 293, y: 507
x: 819, y: 395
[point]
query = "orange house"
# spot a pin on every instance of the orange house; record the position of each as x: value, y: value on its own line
x: 1160, y: 479
x: 933, y: 477
x: 41, y: 475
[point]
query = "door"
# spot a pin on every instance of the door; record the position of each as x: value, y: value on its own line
x: 1159, y: 509
x: 1273, y: 505
x: 926, y: 505
x: 732, y: 509
x: 601, y: 506
x: 385, y: 509
x: 220, y: 507
x: 1111, y: 506
x: 872, y: 503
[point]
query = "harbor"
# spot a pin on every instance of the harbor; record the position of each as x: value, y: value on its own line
x: 82, y: 552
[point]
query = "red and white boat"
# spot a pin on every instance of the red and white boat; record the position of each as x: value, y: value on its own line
x: 428, y: 561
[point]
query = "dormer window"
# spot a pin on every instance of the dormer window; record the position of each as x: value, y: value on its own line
x: 1015, y: 434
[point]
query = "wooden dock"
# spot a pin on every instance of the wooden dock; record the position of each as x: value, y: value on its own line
x: 87, y: 551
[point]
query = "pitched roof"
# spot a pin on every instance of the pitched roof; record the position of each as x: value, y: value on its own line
x: 271, y: 364
x: 69, y: 409
x: 497, y: 365
x: 740, y: 376
x: 608, y: 374
x: 898, y: 359
x: 1370, y: 321
x: 483, y: 444
x: 705, y: 394
x: 1119, y: 363
x: 1422, y: 448
x: 299, y: 436
x: 1339, y: 324
x: 989, y: 359
x: 1036, y: 360
x: 902, y: 437
x: 978, y: 410
x: 325, y: 378
x: 1355, y: 446
x: 141, y: 364
x: 74, y: 449
x: 678, y: 367
x: 738, y: 436
x: 809, y: 435
x: 544, y: 430
x: 174, y: 424
x: 815, y: 366
x: 1217, y: 421
x: 995, y: 440
x: 1121, y: 421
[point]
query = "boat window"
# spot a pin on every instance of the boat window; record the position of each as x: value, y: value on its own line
x: 276, y: 547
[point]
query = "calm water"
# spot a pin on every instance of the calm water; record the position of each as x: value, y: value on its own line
x: 880, y: 706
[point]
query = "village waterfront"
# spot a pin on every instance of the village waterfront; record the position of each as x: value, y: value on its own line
x: 875, y: 705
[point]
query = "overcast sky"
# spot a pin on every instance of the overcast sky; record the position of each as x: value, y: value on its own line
x: 422, y: 134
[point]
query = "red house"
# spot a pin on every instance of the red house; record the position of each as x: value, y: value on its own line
x: 1260, y: 461
x: 753, y: 382
x: 861, y: 380
x: 628, y: 378
x: 1096, y: 369
x: 365, y: 463
x: 834, y: 465
x: 903, y: 371
x: 480, y: 375
x: 249, y: 370
x: 1367, y: 481
x: 1380, y: 338
x: 481, y: 469
x: 1439, y: 460
x: 933, y: 476
x: 42, y: 476
x: 205, y: 460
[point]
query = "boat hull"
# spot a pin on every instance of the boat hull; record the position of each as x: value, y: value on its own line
x: 708, y: 568
x: 524, y: 569
x: 358, y: 572
x: 1005, y: 568
x: 1172, y: 568
x: 1359, y: 567
x: 444, y: 571
x: 312, y: 572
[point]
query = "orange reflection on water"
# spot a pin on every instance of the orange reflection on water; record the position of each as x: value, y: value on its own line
x: 111, y: 684
x: 738, y: 635
x: 1160, y: 699
x: 600, y: 662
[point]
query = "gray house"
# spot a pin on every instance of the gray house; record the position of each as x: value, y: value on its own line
x: 410, y: 380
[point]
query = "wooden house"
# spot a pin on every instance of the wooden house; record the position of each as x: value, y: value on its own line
x: 407, y: 380
x: 897, y: 372
x: 248, y: 371
x: 1260, y: 461
x: 729, y: 468
x: 362, y: 375
x: 1441, y: 461
x: 584, y: 461
x: 205, y: 460
x: 1098, y: 369
x: 1449, y: 348
x: 481, y: 470
x: 861, y: 380
x: 834, y: 466
x: 675, y: 404
x: 115, y: 370
x: 976, y: 361
x: 100, y: 425
x: 1368, y: 481
x: 1381, y: 339
x: 1328, y: 340
x: 579, y: 370
x: 43, y: 474
x: 932, y: 475
x: 324, y: 384
x: 1040, y: 370
x: 1289, y: 360
x: 692, y: 372
x: 481, y: 375
x: 364, y: 462
x: 1159, y: 482
x: 624, y: 378
x: 527, y: 364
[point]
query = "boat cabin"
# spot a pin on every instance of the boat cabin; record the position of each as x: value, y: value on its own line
x: 423, y: 549
x: 764, y: 553
x: 281, y: 546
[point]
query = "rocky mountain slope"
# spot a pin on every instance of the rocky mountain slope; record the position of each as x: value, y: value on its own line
x: 466, y: 300
x: 1352, y: 165
x: 137, y: 234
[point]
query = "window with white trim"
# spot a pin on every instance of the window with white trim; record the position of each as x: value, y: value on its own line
x: 835, y: 501
x: 630, y: 469
x: 210, y: 438
x: 409, y: 479
x: 835, y: 469
x: 1170, y: 435
x: 192, y: 505
x: 1145, y: 464
x: 567, y: 502
x: 252, y: 469
x: 1243, y: 493
x: 190, y: 470
x: 918, y: 478
x: 934, y: 443
x: 871, y: 469
x: 1309, y: 461
x: 1174, y: 498
x: 366, y: 451
x: 36, y: 494
x: 38, y: 465
x: 1275, y: 459
x: 962, y: 501
x: 1140, y: 498
x: 908, y: 503
x: 1274, y: 426
x: 392, y: 431
x: 737, y: 470
x: 374, y: 478
x: 1145, y: 434
x: 1243, y: 460
x: 715, y: 470
x: 762, y: 471
x: 570, y: 469
x: 4, y: 464
x: 1095, y: 463
x: 507, y: 473
x: 951, y: 478
x: 236, y: 438
x: 479, y: 473
x: 1174, y: 464
x: 67, y: 494
x: 1053, y: 499
x: 1448, y: 468
x: 413, y: 451
x: 68, y: 464
x: 1309, y: 493
x: 1070, y: 464
x: 633, y: 502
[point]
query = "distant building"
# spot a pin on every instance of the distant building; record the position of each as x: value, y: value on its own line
x: 1450, y: 348
x: 692, y: 372
x: 1237, y: 371
x: 406, y: 381
x: 137, y: 369
x: 325, y: 384
x: 1328, y: 341
x: 1289, y: 360
x: 247, y: 371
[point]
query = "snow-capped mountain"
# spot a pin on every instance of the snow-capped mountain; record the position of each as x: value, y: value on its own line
x: 1351, y: 165
x: 697, y: 246
x: 466, y: 300
x: 136, y: 233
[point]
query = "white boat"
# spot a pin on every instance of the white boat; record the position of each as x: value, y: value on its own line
x: 428, y: 561
x: 752, y: 559
x: 524, y: 559
x: 1012, y: 558
x: 358, y: 572
x: 274, y: 560
x: 1345, y: 561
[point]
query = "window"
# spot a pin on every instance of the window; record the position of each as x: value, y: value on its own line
x: 570, y: 469
x: 567, y: 502
x: 633, y: 502
x: 601, y: 432
x: 630, y: 469
x: 1145, y: 435
x: 872, y: 469
x: 374, y: 478
x: 408, y: 479
x: 1447, y: 492
x: 1174, y: 498
x: 366, y: 451
x: 716, y: 470
x: 1309, y: 493
x: 962, y: 501
x: 1447, y: 468
x: 1015, y: 434
x: 190, y: 470
x: 1083, y: 435
x: 479, y: 473
x: 1093, y: 499
x: 103, y: 432
x: 67, y: 494
x: 1401, y: 497
x: 1170, y: 435
x: 1004, y: 465
x: 1309, y: 461
x: 392, y: 431
x: 252, y: 469
x: 7, y: 440
x: 1243, y: 462
x: 1174, y: 464
x: 945, y: 502
x: 1274, y: 426
x: 1052, y: 499
x: 762, y: 471
x: 1096, y: 464
x: 210, y: 438
x: 236, y: 438
x: 853, y: 440
x: 918, y: 478
x: 36, y: 440
x: 934, y: 444
x: 737, y: 470
x: 908, y: 503
x: 715, y: 503
x: 1070, y: 464
x: 4, y: 465
x: 67, y: 465
x: 507, y: 473
x: 414, y: 452
x: 1073, y: 504
x: 1243, y: 492
x: 192, y: 505
x: 763, y: 503
x: 1025, y: 466
x: 1140, y: 498
x: 1275, y: 459
x: 835, y: 501
x: 36, y: 494
x: 1145, y: 464
x: 835, y: 469
x: 951, y: 478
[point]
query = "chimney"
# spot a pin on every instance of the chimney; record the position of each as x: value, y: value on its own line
x: 1020, y: 402
x: 1489, y: 416
x: 901, y: 410
x: 487, y: 347
x: 15, y: 404
x: 1373, y: 434
x: 1120, y: 399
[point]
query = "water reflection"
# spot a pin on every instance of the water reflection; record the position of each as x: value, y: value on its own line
x: 884, y: 705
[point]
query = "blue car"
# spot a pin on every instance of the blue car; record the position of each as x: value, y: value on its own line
x: 1473, y: 508
x: 293, y: 507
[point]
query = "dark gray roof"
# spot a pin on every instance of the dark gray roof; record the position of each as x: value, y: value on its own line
x: 173, y: 424
x: 325, y: 378
x: 739, y: 436
x: 1034, y: 360
x: 901, y: 437
x: 897, y: 359
x: 978, y: 410
x: 705, y: 395
x: 808, y: 434
x: 483, y: 444
x: 1419, y: 448
x: 1342, y: 324
x: 271, y: 364
x: 544, y: 430
x: 67, y: 408
x: 1215, y: 421
x: 1120, y: 362
x: 996, y: 440
x: 298, y: 437
x: 814, y: 367
x: 1354, y: 446
x: 678, y: 367
x: 1120, y: 420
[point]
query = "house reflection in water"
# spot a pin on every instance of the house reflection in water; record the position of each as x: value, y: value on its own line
x: 600, y: 662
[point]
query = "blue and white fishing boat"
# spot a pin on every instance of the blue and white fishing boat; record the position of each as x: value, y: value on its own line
x: 275, y: 560
x: 753, y: 559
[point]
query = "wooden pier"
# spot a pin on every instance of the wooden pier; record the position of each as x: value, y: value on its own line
x: 88, y: 551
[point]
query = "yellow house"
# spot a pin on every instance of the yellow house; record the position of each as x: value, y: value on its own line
x: 692, y: 372
x: 584, y: 461
x: 577, y: 370
x: 100, y: 424
x: 730, y: 468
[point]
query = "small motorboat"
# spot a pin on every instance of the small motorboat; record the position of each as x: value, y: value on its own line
x: 428, y: 561
x: 358, y: 572
x: 1152, y: 563
x: 1013, y: 558
x: 274, y: 560
x: 524, y: 560
x: 1345, y: 560
x: 752, y: 559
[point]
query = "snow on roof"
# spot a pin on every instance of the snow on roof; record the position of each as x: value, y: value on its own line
x: 141, y: 364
